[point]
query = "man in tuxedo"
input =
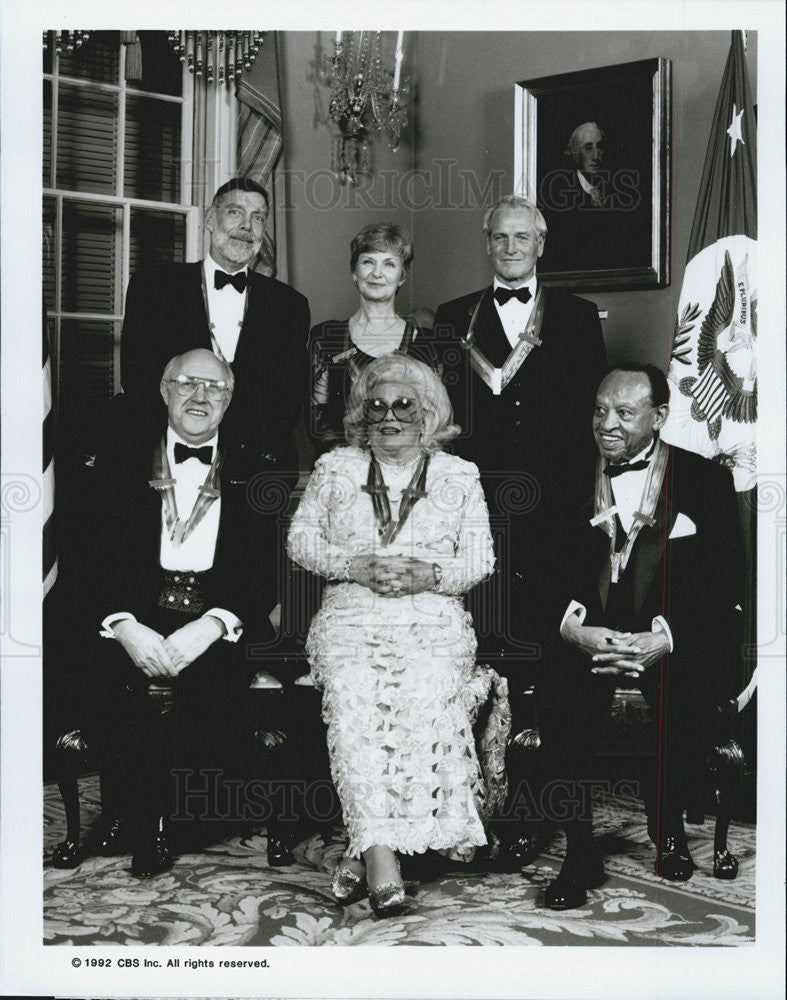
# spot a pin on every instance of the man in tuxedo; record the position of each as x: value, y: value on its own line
x: 177, y: 594
x: 520, y: 364
x: 651, y: 578
x: 255, y: 323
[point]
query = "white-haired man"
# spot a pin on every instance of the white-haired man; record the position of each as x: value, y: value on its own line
x: 176, y: 592
x: 521, y: 364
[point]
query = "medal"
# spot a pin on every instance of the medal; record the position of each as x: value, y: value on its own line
x: 375, y: 486
x: 164, y: 484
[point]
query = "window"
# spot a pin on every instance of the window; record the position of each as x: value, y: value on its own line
x: 114, y: 196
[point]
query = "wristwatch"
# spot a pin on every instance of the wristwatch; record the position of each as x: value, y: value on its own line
x: 438, y: 575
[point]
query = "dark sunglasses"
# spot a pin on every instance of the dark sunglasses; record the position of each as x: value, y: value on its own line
x: 404, y: 409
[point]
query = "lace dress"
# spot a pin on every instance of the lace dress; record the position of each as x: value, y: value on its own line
x: 401, y: 689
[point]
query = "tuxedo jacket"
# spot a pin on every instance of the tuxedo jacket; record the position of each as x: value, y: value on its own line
x: 165, y: 315
x: 533, y: 442
x: 687, y: 567
x: 122, y: 519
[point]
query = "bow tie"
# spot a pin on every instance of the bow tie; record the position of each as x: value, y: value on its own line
x: 503, y: 295
x: 237, y: 280
x: 182, y: 452
x: 618, y: 470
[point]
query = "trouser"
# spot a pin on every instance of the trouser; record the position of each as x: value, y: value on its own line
x: 572, y: 704
x: 148, y: 756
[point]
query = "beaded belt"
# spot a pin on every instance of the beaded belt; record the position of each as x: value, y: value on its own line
x: 182, y: 590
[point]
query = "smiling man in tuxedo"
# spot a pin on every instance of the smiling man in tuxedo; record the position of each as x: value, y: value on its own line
x: 179, y: 585
x: 652, y: 572
x: 258, y: 325
x: 521, y: 363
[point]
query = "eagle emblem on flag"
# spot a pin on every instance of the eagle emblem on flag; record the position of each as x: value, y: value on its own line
x: 726, y: 361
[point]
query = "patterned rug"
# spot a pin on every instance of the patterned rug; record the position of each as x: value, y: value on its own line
x: 227, y: 895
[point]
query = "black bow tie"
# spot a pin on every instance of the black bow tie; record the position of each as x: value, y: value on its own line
x: 237, y: 280
x: 182, y: 452
x: 503, y: 295
x: 617, y: 470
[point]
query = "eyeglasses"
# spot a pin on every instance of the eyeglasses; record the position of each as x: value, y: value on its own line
x: 187, y: 385
x: 404, y: 409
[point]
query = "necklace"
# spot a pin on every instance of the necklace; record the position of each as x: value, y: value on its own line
x: 163, y: 482
x: 411, y: 494
x: 368, y: 331
x: 605, y: 511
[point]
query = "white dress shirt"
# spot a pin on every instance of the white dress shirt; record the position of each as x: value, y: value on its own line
x: 196, y: 552
x: 515, y: 315
x: 627, y: 488
x: 591, y: 190
x: 226, y: 307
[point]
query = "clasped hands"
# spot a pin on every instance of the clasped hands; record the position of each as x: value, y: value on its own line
x: 160, y: 656
x: 392, y: 575
x: 626, y: 654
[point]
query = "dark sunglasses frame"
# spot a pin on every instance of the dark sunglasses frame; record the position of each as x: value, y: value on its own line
x: 375, y: 416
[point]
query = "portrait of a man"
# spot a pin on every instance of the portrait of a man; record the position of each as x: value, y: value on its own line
x: 585, y: 149
x: 597, y: 139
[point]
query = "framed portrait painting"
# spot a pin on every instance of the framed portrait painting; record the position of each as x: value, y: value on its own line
x: 592, y: 150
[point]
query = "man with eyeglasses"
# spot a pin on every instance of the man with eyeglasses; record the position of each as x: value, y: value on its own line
x: 180, y: 592
x: 258, y: 325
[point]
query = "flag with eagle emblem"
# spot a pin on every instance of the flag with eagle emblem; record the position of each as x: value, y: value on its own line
x: 713, y: 368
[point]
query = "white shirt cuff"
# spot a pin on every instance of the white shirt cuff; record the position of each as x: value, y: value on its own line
x: 232, y: 624
x: 659, y: 624
x: 574, y: 608
x: 110, y: 620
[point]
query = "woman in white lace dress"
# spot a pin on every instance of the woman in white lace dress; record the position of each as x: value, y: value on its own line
x: 400, y: 530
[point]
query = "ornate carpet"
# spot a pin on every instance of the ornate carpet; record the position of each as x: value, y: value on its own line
x: 227, y: 895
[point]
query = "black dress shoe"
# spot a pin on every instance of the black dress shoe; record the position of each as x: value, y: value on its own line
x: 67, y: 855
x: 521, y: 851
x: 152, y: 854
x: 725, y: 865
x: 673, y: 861
x: 113, y: 838
x: 567, y: 891
x: 279, y: 852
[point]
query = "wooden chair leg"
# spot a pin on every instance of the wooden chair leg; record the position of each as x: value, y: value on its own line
x: 521, y: 831
x: 70, y: 747
x: 726, y: 766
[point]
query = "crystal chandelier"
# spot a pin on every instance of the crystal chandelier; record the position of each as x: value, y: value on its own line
x: 66, y: 40
x: 365, y: 98
x: 219, y: 56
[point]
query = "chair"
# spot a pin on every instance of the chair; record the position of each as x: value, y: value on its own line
x: 625, y: 734
x: 73, y: 755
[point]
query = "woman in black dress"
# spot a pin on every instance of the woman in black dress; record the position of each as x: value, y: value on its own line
x: 380, y: 258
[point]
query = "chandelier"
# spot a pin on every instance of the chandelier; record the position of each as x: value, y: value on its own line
x: 219, y: 56
x: 66, y: 40
x: 365, y: 98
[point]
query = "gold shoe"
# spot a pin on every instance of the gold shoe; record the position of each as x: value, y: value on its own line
x: 387, y: 899
x: 346, y: 886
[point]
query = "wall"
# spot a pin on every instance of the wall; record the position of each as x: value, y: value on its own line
x: 322, y: 215
x: 460, y: 142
